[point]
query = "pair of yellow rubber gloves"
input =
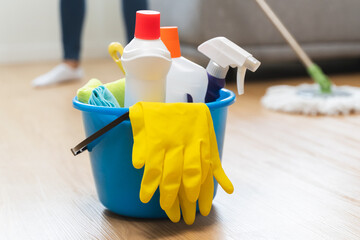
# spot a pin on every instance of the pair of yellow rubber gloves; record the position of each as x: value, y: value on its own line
x: 176, y: 143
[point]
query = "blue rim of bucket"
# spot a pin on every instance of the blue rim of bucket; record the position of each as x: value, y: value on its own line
x: 227, y: 101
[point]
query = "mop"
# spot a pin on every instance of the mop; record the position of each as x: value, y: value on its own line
x: 320, y: 98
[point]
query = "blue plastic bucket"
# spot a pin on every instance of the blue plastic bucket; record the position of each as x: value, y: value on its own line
x: 117, y: 181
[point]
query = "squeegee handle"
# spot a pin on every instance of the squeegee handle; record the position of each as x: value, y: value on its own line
x: 285, y: 33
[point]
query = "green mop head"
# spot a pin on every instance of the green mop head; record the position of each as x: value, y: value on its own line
x: 319, y: 77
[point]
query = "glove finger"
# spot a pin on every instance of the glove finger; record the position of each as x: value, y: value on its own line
x: 223, y: 180
x: 205, y: 158
x: 174, y: 212
x: 139, y: 153
x: 152, y: 174
x: 217, y: 169
x: 219, y: 174
x: 192, y: 171
x: 188, y: 209
x: 206, y: 194
x: 205, y: 144
x: 171, y: 177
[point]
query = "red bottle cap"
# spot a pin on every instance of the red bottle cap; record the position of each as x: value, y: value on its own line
x: 147, y: 25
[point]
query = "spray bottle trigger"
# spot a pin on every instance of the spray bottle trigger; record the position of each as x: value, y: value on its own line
x: 240, y: 78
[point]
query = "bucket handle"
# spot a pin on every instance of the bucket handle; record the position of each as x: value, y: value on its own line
x: 81, y: 147
x: 116, y: 50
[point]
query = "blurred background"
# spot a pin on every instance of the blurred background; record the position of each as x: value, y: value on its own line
x: 328, y: 30
x: 30, y: 30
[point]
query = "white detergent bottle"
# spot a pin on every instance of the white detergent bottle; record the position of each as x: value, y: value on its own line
x: 146, y: 61
x: 186, y: 80
x: 224, y: 53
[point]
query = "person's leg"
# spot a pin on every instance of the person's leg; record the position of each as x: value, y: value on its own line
x: 72, y: 19
x: 129, y: 8
x: 72, y: 14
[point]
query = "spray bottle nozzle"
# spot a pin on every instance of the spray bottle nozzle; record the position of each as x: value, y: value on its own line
x: 226, y: 53
x: 252, y: 63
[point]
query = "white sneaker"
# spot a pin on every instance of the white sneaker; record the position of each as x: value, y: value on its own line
x: 60, y: 73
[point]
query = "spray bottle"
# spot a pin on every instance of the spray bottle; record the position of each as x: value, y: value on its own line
x: 186, y: 80
x: 146, y: 61
x: 224, y: 53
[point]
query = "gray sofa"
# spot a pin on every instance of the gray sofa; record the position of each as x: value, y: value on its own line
x: 327, y: 29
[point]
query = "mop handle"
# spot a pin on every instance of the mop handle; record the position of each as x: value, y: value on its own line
x: 285, y: 33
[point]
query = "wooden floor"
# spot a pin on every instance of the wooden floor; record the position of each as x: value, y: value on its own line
x: 295, y: 177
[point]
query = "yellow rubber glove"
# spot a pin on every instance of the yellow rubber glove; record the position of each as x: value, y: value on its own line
x: 172, y: 141
x: 210, y: 169
x: 177, y: 144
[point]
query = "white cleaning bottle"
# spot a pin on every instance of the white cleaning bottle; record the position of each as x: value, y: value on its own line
x: 186, y: 80
x: 224, y: 53
x: 146, y: 61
